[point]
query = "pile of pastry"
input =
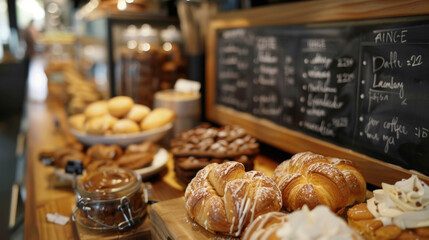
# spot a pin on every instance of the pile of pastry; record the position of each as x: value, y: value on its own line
x: 79, y: 91
x: 305, y: 199
x: 119, y: 115
x: 198, y: 147
x: 100, y: 156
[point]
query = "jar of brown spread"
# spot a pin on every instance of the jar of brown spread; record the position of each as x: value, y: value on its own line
x: 110, y: 199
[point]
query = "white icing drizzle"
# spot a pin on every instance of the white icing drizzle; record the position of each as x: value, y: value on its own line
x: 320, y: 223
x: 231, y: 165
x: 243, y: 201
x: 242, y: 213
x: 336, y: 161
x: 232, y: 225
x: 254, y: 199
x: 261, y: 232
x: 289, y: 177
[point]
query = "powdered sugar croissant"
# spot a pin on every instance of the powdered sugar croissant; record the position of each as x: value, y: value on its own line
x: 224, y: 198
x: 313, y: 179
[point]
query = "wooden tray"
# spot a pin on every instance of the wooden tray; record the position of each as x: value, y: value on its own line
x: 140, y: 232
x: 72, y: 230
x: 168, y: 220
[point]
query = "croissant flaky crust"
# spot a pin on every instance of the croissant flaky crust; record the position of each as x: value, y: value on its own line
x: 313, y: 179
x: 224, y: 198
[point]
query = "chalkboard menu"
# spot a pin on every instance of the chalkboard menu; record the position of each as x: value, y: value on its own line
x: 363, y: 85
x: 394, y: 94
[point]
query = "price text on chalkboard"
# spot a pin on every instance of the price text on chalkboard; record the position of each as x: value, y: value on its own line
x: 364, y: 87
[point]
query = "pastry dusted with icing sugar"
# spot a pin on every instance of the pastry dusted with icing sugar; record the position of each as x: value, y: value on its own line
x: 320, y: 224
x: 223, y: 198
x: 312, y: 179
x: 399, y: 211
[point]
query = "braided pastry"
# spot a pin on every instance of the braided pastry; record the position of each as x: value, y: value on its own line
x: 313, y: 179
x: 224, y: 198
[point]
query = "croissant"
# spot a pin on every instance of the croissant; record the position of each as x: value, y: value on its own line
x: 313, y: 179
x: 101, y: 151
x: 224, y: 198
x: 135, y: 160
x: 99, y: 165
x: 143, y: 147
x: 61, y: 155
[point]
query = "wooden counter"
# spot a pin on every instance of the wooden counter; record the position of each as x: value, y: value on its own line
x: 45, y: 194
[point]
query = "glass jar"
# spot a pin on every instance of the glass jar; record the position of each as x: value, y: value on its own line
x: 173, y: 63
x: 110, y: 199
x: 125, y: 60
x: 145, y: 72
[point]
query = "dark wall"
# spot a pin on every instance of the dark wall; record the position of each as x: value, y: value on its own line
x: 11, y: 7
x: 13, y: 78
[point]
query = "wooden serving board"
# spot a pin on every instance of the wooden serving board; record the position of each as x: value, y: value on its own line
x: 142, y: 231
x: 168, y: 220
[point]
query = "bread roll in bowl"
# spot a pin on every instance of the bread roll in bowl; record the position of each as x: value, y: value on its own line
x: 224, y: 198
x: 110, y: 120
x: 138, y: 112
x: 96, y: 109
x: 97, y: 126
x: 157, y: 118
x: 119, y: 106
x: 313, y: 179
x: 124, y: 126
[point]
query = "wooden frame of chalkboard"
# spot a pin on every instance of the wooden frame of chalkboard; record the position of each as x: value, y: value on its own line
x: 292, y: 104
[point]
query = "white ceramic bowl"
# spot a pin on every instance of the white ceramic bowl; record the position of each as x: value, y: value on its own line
x: 159, y: 161
x: 123, y: 140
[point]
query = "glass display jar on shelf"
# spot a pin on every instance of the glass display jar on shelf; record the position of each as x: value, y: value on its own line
x: 145, y: 67
x: 126, y: 55
x: 173, y: 62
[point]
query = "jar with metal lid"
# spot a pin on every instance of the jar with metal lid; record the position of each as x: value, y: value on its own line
x: 110, y: 199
